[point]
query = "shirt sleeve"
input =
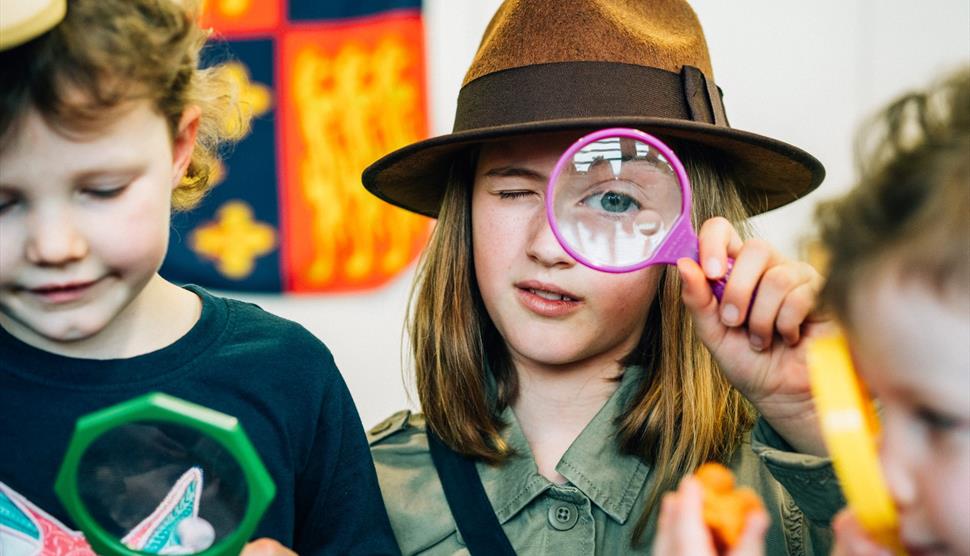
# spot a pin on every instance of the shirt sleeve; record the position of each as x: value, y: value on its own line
x: 809, y: 480
x: 339, y: 504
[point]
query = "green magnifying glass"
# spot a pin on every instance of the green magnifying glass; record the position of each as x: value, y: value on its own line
x: 159, y: 475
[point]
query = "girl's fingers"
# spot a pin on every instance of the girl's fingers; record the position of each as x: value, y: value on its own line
x: 785, y: 296
x: 773, y: 288
x: 662, y: 542
x: 786, y: 290
x: 692, y: 532
x: 798, y: 304
x: 789, y: 292
x: 851, y: 539
x: 753, y: 260
x: 696, y: 291
x: 717, y: 240
x: 680, y: 528
x: 765, y: 293
x: 752, y: 541
x: 700, y: 301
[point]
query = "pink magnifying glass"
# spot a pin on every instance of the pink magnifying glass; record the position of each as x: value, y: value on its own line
x: 619, y: 200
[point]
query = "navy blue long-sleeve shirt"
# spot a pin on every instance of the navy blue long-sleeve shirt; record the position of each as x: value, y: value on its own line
x: 272, y: 374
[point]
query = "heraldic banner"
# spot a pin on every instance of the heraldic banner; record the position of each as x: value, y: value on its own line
x: 332, y: 86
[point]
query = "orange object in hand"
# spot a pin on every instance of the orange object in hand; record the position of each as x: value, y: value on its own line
x: 726, y: 508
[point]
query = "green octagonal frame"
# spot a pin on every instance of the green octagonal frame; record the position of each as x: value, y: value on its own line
x: 223, y: 428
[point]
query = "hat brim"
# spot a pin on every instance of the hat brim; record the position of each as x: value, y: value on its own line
x: 772, y: 173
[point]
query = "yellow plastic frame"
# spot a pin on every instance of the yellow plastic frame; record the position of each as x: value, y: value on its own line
x: 850, y: 427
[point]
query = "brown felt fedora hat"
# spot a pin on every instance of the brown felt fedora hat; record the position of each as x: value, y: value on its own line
x: 551, y: 65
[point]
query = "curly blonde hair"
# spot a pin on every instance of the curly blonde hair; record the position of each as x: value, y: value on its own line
x: 107, y: 53
x: 912, y: 202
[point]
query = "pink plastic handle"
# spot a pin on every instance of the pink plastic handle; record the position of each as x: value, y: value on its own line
x: 717, y: 286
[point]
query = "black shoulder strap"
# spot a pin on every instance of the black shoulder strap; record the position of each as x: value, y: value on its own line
x: 469, y: 504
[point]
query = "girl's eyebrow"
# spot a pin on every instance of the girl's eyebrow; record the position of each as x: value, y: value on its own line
x: 515, y: 172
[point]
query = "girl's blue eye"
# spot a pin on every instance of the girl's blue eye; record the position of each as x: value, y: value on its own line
x: 611, y: 201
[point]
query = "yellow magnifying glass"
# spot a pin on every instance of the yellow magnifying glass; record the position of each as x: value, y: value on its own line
x: 850, y: 427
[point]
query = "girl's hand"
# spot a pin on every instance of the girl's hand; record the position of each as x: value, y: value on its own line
x: 681, y: 529
x: 851, y: 539
x: 266, y: 547
x: 757, y: 340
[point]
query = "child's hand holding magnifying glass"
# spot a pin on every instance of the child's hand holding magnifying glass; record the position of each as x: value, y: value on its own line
x: 619, y: 200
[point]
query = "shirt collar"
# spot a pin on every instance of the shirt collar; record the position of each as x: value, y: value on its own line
x: 516, y: 482
x: 593, y: 463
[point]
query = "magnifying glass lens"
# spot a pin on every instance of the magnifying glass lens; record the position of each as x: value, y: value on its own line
x: 615, y: 201
x: 162, y: 488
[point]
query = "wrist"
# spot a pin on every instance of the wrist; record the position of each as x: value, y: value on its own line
x: 797, y: 424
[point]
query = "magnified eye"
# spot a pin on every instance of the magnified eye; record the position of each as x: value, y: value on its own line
x: 611, y: 201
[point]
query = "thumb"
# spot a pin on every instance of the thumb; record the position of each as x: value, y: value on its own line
x: 752, y: 541
x: 699, y: 300
x: 851, y: 539
x: 695, y: 291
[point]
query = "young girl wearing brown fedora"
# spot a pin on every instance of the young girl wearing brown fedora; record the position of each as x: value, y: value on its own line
x: 560, y: 402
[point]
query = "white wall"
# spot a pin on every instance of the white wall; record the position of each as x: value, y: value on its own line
x: 802, y: 72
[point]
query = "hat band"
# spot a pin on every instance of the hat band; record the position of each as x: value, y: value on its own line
x: 572, y: 90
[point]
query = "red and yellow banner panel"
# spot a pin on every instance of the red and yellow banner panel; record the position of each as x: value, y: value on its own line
x: 331, y: 88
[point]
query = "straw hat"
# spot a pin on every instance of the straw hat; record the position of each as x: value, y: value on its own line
x: 550, y: 65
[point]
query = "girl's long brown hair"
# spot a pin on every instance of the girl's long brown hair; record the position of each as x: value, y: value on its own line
x: 454, y: 344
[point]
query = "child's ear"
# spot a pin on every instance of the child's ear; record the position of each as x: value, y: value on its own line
x: 184, y: 143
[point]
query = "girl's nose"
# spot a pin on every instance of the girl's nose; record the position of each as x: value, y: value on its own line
x: 542, y: 246
x: 54, y: 240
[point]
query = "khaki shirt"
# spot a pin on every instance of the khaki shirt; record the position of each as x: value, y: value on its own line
x: 596, y: 511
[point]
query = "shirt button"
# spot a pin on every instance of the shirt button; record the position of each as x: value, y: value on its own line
x: 563, y: 516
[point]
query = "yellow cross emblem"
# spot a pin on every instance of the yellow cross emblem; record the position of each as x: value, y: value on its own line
x: 234, y: 241
x: 255, y: 99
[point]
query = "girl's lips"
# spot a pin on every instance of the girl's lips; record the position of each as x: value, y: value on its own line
x: 540, y: 300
